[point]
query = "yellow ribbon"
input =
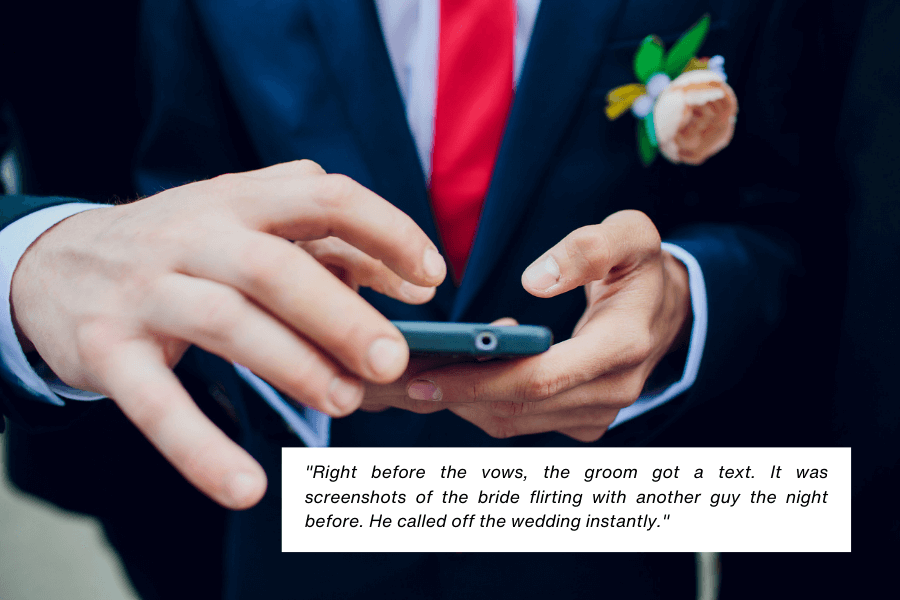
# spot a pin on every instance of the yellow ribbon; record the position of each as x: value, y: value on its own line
x: 620, y: 99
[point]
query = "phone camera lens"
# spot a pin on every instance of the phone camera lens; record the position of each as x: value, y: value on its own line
x: 485, y: 341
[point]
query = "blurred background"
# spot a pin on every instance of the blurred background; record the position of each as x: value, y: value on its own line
x: 47, y: 553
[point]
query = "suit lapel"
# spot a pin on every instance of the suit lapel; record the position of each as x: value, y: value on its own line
x: 568, y: 37
x: 352, y: 43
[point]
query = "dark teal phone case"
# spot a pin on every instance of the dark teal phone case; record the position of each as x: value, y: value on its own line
x: 474, y: 339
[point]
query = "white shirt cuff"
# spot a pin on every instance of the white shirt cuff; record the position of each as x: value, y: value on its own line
x: 15, y: 239
x: 695, y: 347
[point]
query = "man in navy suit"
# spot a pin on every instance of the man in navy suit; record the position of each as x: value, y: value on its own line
x: 664, y: 329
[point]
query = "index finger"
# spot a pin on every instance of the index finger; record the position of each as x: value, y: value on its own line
x: 302, y: 204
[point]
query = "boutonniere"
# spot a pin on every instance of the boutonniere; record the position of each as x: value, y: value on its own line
x: 684, y: 107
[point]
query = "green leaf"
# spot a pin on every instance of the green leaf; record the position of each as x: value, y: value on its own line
x: 686, y: 47
x: 645, y: 148
x: 649, y: 58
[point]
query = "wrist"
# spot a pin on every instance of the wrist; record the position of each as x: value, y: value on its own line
x: 29, y: 277
x: 23, y: 274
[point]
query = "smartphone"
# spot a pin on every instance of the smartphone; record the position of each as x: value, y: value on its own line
x: 474, y: 339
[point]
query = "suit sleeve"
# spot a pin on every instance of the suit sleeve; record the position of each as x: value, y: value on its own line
x: 763, y: 220
x: 771, y: 277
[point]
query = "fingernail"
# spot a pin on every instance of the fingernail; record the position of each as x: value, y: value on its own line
x: 415, y: 293
x: 241, y: 486
x: 542, y: 275
x: 434, y: 265
x: 424, y: 390
x: 345, y: 394
x: 384, y: 356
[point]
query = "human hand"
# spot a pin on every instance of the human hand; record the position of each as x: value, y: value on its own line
x: 638, y: 309
x: 111, y: 299
x: 380, y: 397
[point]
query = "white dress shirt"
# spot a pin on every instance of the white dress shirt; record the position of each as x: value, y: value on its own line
x: 410, y: 29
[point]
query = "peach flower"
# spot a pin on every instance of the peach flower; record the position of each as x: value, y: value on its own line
x: 694, y: 117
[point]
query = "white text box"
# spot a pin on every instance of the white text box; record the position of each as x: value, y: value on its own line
x: 566, y: 499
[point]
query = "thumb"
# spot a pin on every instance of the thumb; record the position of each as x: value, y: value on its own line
x: 623, y: 240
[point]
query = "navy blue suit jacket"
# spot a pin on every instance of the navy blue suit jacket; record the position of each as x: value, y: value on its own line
x: 313, y: 80
x: 227, y: 88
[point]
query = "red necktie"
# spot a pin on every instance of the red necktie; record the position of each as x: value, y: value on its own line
x: 474, y: 93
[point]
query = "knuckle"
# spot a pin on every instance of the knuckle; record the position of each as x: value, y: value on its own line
x: 329, y: 248
x: 641, y: 348
x: 587, y: 246
x: 626, y: 393
x: 93, y: 343
x: 638, y: 348
x: 219, y: 181
x: 652, y: 239
x: 260, y: 267
x: 501, y: 428
x: 476, y: 391
x: 506, y: 408
x: 645, y: 229
x: 376, y: 276
x: 587, y: 435
x: 223, y: 310
x: 407, y: 230
x: 228, y: 185
x: 348, y: 333
x: 307, y: 382
x: 534, y: 390
x: 135, y: 280
x: 634, y: 390
x: 307, y: 167
x: 543, y: 385
x: 335, y: 192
